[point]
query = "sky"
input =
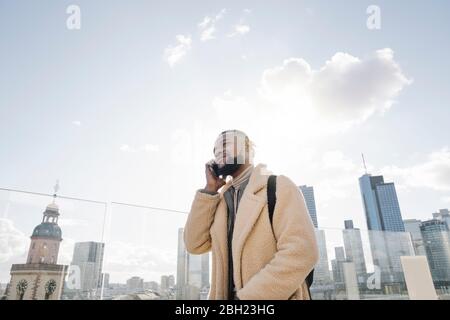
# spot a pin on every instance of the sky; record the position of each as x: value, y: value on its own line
x: 126, y: 108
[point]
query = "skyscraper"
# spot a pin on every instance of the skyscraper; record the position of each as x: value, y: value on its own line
x: 104, y: 280
x: 388, y: 241
x: 181, y: 265
x: 88, y: 257
x: 152, y: 285
x: 308, y: 194
x: 435, y: 235
x: 354, y: 250
x: 337, y: 266
x: 135, y: 285
x: 171, y: 281
x: 413, y: 227
x: 321, y: 269
x: 380, y: 204
x: 444, y: 215
x: 348, y: 224
x: 167, y: 282
x: 192, y: 272
x: 164, y: 283
x: 322, y: 285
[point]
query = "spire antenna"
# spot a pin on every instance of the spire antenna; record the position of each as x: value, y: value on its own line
x: 364, y: 162
x: 56, y: 189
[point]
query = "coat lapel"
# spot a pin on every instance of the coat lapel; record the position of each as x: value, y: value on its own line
x: 219, y: 235
x: 249, y: 209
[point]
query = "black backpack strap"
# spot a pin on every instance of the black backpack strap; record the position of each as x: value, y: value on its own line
x: 271, y: 201
x: 271, y: 195
x: 310, y: 279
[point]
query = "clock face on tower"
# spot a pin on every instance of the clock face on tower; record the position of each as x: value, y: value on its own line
x: 22, y: 286
x: 50, y: 286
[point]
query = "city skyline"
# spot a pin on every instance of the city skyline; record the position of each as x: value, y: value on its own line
x: 348, y: 257
x: 325, y: 228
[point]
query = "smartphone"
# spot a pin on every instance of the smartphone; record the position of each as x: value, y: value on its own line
x: 215, y: 168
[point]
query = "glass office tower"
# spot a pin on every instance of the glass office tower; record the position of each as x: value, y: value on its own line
x: 308, y: 194
x: 435, y: 235
x: 380, y: 204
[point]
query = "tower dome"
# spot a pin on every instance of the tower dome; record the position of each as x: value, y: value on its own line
x: 47, y: 230
x: 49, y: 226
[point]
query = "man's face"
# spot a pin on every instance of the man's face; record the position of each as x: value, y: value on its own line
x: 229, y: 153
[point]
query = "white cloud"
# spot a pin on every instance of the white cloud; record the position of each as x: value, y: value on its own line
x: 208, y: 29
x: 208, y: 34
x: 242, y: 27
x: 239, y: 29
x: 12, y: 241
x: 76, y: 123
x: 345, y: 91
x: 434, y: 173
x: 205, y: 22
x: 174, y: 54
x: 220, y: 15
x: 208, y: 26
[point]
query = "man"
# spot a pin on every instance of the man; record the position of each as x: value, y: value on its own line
x: 252, y: 258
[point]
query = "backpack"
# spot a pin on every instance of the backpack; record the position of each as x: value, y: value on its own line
x: 272, y: 199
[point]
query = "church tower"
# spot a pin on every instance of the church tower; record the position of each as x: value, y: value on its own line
x: 40, y: 278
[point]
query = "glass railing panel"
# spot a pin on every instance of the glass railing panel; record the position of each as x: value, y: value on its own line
x: 127, y: 251
x: 144, y: 249
x: 359, y: 264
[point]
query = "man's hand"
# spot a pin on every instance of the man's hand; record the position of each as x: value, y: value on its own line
x: 213, y: 183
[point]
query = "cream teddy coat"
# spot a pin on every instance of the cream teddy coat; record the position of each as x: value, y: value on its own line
x: 268, y: 264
